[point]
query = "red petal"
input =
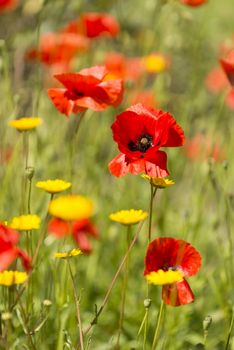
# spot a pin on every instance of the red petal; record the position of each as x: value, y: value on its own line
x: 97, y: 72
x: 82, y: 241
x: 7, y: 257
x: 170, y: 133
x: 177, y: 294
x: 167, y: 252
x: 110, y: 92
x: 120, y: 167
x: 26, y: 260
x: 89, y: 102
x: 85, y: 225
x: 60, y: 100
x: 59, y: 227
x: 158, y: 158
x: 230, y: 99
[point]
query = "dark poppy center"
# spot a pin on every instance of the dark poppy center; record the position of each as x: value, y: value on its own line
x: 143, y: 143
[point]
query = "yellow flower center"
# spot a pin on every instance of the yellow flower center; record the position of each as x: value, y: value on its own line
x: 128, y: 217
x: 25, y: 222
x: 71, y: 207
x: 8, y: 278
x: 53, y: 186
x: 159, y: 182
x: 25, y: 124
x: 164, y: 277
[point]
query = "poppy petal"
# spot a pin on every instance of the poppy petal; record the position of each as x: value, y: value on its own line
x: 82, y: 241
x: 177, y: 294
x: 59, y: 227
x: 60, y: 100
x: 110, y: 91
x: 158, y: 158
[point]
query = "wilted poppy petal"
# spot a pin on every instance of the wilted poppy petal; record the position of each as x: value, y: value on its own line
x: 177, y: 294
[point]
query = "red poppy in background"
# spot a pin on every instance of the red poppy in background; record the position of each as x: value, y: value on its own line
x: 80, y: 230
x: 58, y: 48
x: 86, y: 89
x: 230, y: 99
x: 227, y: 63
x: 9, y: 251
x: 140, y: 132
x: 193, y: 3
x: 202, y: 147
x: 94, y: 25
x: 6, y: 5
x: 122, y: 67
x: 170, y: 254
x: 216, y: 80
x: 146, y: 97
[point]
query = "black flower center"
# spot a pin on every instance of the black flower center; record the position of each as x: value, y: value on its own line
x: 142, y: 144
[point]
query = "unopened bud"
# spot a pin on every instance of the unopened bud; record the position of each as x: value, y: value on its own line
x: 207, y: 323
x: 147, y: 303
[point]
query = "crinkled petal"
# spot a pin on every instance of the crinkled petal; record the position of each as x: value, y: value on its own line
x: 61, y: 101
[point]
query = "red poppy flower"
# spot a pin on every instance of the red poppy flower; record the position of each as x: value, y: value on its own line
x: 146, y: 97
x: 193, y: 3
x: 58, y: 48
x: 202, y: 147
x: 122, y: 67
x: 216, y: 80
x: 94, y: 25
x: 80, y: 230
x: 170, y: 254
x: 8, y: 248
x: 140, y: 132
x: 6, y: 5
x: 230, y: 99
x: 86, y: 89
x: 228, y: 66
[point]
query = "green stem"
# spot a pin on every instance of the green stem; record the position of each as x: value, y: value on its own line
x: 77, y: 302
x: 124, y: 290
x: 230, y: 331
x: 150, y: 211
x: 158, y: 326
x: 111, y: 286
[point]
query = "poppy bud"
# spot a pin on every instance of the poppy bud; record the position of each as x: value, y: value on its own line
x: 147, y: 303
x: 29, y: 173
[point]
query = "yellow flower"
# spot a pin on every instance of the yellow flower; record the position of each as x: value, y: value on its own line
x: 128, y: 217
x: 25, y: 124
x: 71, y: 207
x: 8, y: 278
x: 159, y: 182
x: 25, y: 222
x: 53, y: 186
x: 164, y: 277
x: 65, y: 255
x: 155, y: 63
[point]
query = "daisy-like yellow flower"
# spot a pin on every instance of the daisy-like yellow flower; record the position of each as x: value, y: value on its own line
x: 71, y: 207
x: 65, y: 255
x: 164, y: 277
x: 53, y: 186
x: 155, y: 63
x: 8, y: 278
x: 25, y: 124
x: 128, y: 217
x: 159, y: 182
x: 25, y: 222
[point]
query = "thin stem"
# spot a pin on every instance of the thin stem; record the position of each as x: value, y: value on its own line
x: 29, y: 196
x: 77, y: 306
x: 26, y: 325
x: 111, y: 286
x: 230, y: 331
x: 124, y: 290
x: 150, y: 211
x: 158, y: 326
x: 42, y: 236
